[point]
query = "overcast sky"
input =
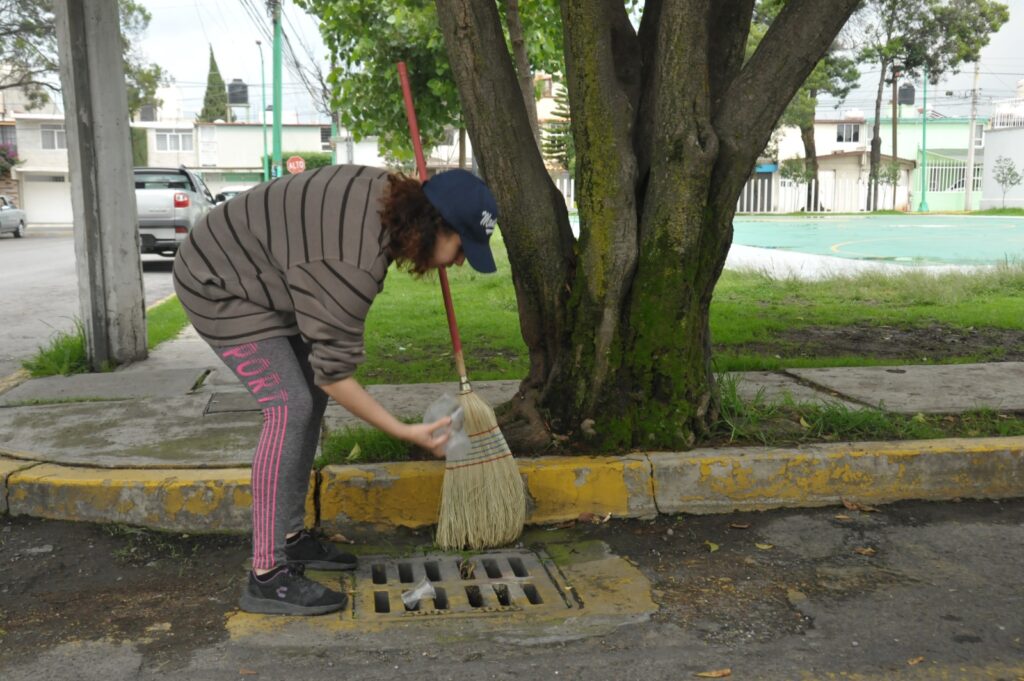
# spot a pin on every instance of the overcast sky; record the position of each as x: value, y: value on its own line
x: 180, y: 31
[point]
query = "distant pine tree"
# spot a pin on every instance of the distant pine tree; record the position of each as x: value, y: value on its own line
x: 215, y: 103
x: 557, y: 143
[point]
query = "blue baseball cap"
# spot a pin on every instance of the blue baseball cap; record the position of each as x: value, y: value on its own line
x: 468, y: 206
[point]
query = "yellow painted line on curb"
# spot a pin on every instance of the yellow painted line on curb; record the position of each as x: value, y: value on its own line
x: 408, y: 494
x: 928, y: 671
x: 169, y: 499
x: 12, y: 381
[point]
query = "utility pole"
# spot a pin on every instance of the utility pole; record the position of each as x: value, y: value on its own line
x: 263, y: 115
x: 275, y: 6
x: 969, y: 170
x: 895, y: 116
x: 102, y: 192
x: 923, y: 207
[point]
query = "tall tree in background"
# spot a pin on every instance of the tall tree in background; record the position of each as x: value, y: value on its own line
x: 836, y: 74
x: 28, y: 52
x: 668, y: 123
x: 368, y: 37
x: 558, y: 146
x: 215, y: 101
x: 915, y: 36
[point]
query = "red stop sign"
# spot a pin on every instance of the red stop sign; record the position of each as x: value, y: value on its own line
x: 296, y: 164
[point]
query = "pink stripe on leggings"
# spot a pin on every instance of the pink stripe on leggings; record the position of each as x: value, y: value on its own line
x: 264, y: 483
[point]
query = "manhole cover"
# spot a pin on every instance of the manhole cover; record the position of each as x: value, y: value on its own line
x: 484, y: 584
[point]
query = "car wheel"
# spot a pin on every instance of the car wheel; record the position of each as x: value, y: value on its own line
x: 20, y: 231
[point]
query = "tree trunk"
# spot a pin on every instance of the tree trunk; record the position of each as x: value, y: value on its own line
x: 811, y: 163
x: 667, y: 125
x: 876, y: 142
x: 522, y: 61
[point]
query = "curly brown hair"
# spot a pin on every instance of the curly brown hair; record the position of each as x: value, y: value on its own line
x: 411, y: 222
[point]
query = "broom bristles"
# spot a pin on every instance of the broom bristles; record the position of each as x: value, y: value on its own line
x: 483, y: 503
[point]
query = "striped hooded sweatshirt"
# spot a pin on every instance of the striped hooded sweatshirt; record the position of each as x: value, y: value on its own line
x: 302, y: 254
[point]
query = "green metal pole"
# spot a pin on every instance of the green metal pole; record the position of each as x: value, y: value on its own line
x: 263, y: 117
x: 924, y: 146
x: 277, y: 89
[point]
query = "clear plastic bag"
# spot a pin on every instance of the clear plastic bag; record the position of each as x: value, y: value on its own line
x: 412, y: 598
x: 458, y: 445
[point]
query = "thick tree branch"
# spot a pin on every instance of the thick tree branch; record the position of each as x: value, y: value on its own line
x: 534, y: 220
x: 797, y: 39
x: 728, y: 26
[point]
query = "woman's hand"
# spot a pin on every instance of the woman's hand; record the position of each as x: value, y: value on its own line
x: 422, y: 434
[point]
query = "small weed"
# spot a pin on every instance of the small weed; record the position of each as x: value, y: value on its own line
x: 63, y: 355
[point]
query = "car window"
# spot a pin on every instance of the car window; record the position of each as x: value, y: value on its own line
x: 161, y: 181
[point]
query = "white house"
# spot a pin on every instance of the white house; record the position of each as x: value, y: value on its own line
x: 1005, y: 139
x: 42, y: 176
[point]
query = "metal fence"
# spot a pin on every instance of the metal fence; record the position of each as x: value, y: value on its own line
x: 766, y: 195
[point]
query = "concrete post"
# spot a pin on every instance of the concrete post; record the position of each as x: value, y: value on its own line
x: 102, y: 191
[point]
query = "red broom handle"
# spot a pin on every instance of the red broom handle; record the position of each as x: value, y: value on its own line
x: 421, y: 166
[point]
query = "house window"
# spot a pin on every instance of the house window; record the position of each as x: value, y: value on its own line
x: 54, y: 137
x: 8, y: 136
x: 979, y: 135
x: 848, y: 132
x: 174, y: 140
x: 325, y: 137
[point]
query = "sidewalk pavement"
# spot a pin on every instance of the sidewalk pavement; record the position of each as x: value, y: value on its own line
x: 166, y: 443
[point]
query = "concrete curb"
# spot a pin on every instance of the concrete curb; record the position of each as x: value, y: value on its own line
x: 559, y: 488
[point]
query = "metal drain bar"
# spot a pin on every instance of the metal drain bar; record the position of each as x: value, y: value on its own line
x: 485, y: 584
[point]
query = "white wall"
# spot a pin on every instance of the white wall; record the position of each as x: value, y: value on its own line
x: 241, y: 146
x: 1008, y: 142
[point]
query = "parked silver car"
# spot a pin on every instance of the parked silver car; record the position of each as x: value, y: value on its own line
x: 12, y: 218
x: 170, y: 202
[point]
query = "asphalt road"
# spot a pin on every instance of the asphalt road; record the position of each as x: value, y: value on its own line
x: 908, y: 592
x: 39, y: 291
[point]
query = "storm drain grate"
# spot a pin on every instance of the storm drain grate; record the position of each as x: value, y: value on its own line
x: 484, y: 584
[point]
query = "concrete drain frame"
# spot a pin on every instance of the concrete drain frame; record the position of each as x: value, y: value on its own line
x: 508, y: 581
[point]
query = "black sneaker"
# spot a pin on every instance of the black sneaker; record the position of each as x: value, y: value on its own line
x: 286, y: 591
x: 307, y: 550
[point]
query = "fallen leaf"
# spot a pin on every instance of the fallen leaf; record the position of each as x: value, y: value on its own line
x: 804, y: 424
x: 607, y: 517
x: 765, y: 547
x: 915, y: 660
x: 712, y: 546
x: 740, y: 526
x: 588, y: 517
x: 247, y: 672
x: 842, y: 516
x: 715, y: 674
x: 339, y: 538
x: 865, y: 551
x: 854, y: 506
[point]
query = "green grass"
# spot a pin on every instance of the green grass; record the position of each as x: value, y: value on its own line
x: 785, y: 422
x: 64, y: 354
x: 362, y: 444
x: 999, y: 211
x: 164, y: 322
x: 407, y: 339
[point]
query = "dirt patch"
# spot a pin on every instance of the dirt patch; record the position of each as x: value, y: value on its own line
x: 80, y: 582
x: 917, y: 343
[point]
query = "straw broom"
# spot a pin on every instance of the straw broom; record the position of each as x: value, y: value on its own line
x: 483, y: 503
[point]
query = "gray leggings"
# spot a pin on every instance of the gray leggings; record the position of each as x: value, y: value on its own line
x: 277, y: 373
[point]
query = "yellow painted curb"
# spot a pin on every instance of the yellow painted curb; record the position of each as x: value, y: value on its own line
x: 7, y: 468
x: 12, y: 381
x: 717, y: 481
x: 401, y: 494
x: 167, y: 499
x: 562, y: 487
x: 408, y: 494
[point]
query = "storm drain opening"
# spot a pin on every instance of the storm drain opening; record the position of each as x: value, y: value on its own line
x: 516, y: 580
